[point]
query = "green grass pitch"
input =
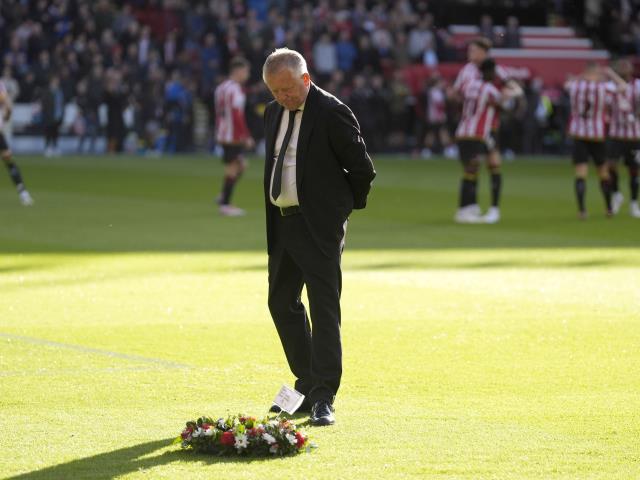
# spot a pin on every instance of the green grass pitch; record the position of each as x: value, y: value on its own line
x: 128, y: 306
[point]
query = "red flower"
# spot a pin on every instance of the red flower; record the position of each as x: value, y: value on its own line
x: 228, y: 439
x: 300, y: 439
x: 242, y: 419
x: 186, y: 433
x: 252, y: 432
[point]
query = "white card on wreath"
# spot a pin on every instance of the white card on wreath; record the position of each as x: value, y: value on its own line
x: 288, y: 399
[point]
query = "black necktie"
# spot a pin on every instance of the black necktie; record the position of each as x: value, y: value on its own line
x: 276, y: 186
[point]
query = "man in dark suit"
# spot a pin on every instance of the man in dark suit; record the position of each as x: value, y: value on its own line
x: 317, y: 171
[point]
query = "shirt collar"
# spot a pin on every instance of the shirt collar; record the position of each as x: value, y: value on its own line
x: 301, y: 107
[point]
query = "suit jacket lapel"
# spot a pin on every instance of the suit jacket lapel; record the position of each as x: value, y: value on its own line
x: 306, y: 126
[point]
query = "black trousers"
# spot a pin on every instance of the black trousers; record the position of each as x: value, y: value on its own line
x: 313, y: 348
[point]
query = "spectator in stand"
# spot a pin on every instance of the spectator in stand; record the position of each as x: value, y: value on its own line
x: 380, y: 111
x: 421, y: 39
x: 346, y: 52
x: 178, y: 111
x: 361, y: 104
x: 116, y: 95
x: 487, y: 29
x: 86, y: 124
x: 535, y: 117
x: 325, y: 57
x: 401, y: 110
x: 512, y: 33
x: 52, y: 106
x: 368, y: 57
x: 400, y: 53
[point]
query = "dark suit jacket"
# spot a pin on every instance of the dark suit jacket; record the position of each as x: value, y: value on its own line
x: 333, y: 170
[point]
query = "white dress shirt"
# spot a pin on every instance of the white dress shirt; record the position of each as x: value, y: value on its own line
x: 289, y: 192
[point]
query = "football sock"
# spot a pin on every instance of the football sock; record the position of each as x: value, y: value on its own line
x: 633, y: 182
x: 581, y: 188
x: 613, y: 177
x: 605, y: 186
x: 468, y: 193
x: 227, y: 189
x: 496, y: 186
x: 14, y: 173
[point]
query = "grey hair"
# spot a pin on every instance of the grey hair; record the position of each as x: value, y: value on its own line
x: 284, y: 58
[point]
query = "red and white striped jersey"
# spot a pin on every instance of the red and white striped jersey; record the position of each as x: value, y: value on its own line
x: 478, y: 110
x: 471, y: 72
x: 231, y: 125
x: 468, y: 73
x: 589, y: 100
x: 625, y: 112
x: 436, y: 106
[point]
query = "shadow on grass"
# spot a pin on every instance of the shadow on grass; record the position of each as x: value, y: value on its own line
x: 120, y: 462
x: 474, y: 265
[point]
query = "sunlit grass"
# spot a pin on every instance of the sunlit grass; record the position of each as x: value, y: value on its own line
x: 469, y: 352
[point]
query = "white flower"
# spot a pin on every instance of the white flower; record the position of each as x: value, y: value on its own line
x: 273, y: 448
x: 221, y: 423
x: 268, y: 438
x: 197, y: 432
x: 242, y: 441
x: 292, y: 439
x: 273, y: 423
x: 209, y: 432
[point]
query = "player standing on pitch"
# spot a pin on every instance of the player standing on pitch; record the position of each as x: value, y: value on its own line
x: 481, y: 103
x: 5, y: 152
x: 477, y: 53
x: 232, y: 132
x: 589, y: 95
x: 624, y: 137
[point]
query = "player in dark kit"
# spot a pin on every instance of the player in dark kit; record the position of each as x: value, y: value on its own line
x: 5, y: 151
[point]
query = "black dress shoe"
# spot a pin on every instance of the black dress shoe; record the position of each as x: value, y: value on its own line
x: 322, y: 414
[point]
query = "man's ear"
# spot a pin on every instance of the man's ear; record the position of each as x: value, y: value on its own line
x: 306, y: 78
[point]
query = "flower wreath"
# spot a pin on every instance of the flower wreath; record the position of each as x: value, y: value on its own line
x: 243, y: 435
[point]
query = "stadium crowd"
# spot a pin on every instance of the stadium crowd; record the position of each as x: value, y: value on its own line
x: 127, y: 55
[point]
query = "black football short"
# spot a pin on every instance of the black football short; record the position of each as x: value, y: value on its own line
x: 4, y: 146
x: 471, y: 149
x: 231, y: 153
x: 628, y: 150
x: 584, y: 149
